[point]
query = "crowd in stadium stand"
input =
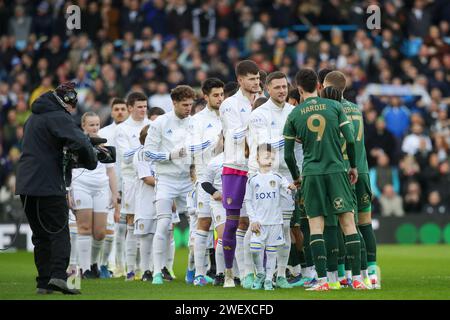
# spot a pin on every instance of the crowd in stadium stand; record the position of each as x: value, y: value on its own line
x: 399, y: 75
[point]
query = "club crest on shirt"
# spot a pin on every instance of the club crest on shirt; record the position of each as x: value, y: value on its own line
x: 200, y: 205
x: 169, y: 131
x: 229, y: 200
x: 365, y: 198
x: 257, y: 186
x: 218, y: 219
x: 141, y: 226
x: 78, y: 202
x: 313, y: 101
x: 272, y: 183
x: 338, y: 203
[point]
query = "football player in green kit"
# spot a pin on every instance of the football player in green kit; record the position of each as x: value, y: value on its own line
x: 363, y: 192
x: 318, y: 123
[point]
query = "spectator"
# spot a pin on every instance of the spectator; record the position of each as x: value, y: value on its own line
x: 46, y: 85
x: 20, y: 26
x: 409, y: 170
x: 442, y: 147
x: 380, y: 140
x: 416, y: 141
x: 155, y: 16
x: 391, y: 203
x: 430, y: 173
x: 132, y: 19
x: 301, y: 53
x: 435, y: 204
x: 161, y: 98
x: 419, y: 19
x: 397, y: 117
x: 443, y: 183
x: 110, y: 19
x: 22, y: 112
x: 179, y: 17
x: 112, y: 86
x: 442, y: 124
x: 258, y: 29
x: 383, y: 174
x: 92, y: 20
x: 54, y: 52
x: 9, y: 130
x: 42, y: 22
x: 413, y: 202
x: 204, y: 21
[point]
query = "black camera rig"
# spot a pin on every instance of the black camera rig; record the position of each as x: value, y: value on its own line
x: 104, y: 154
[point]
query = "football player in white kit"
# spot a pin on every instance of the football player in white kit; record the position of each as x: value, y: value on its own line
x: 119, y: 113
x: 93, y: 193
x: 127, y: 141
x: 166, y: 145
x: 266, y: 126
x: 207, y: 126
x: 265, y: 192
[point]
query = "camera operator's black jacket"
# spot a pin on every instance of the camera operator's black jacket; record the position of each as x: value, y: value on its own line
x: 46, y: 132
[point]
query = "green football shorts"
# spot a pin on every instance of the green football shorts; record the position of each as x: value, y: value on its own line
x: 363, y: 193
x: 327, y: 194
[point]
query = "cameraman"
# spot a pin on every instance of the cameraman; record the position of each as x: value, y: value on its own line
x: 41, y: 182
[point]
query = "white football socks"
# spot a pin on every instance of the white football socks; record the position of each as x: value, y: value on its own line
x: 248, y: 258
x: 160, y: 243
x: 84, y: 251
x: 235, y: 267
x: 73, y: 246
x: 200, y: 243
x: 146, y: 244
x: 131, y: 249
x: 171, y: 254
x: 95, y: 251
x: 332, y: 276
x: 258, y: 257
x: 283, y: 252
x: 121, y: 229
x: 191, y: 262
x: 220, y: 260
x: 270, y: 264
x: 239, y: 253
x: 107, y: 248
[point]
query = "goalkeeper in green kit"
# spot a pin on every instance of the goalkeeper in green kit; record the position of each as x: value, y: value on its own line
x: 318, y: 123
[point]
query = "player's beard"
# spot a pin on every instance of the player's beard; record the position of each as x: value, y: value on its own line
x: 277, y: 100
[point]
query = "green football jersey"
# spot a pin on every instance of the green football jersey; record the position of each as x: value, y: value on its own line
x: 317, y: 123
x: 354, y: 114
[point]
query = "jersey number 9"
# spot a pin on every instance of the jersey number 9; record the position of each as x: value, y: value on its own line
x: 320, y: 128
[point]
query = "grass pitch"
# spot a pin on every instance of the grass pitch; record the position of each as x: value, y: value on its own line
x: 407, y: 271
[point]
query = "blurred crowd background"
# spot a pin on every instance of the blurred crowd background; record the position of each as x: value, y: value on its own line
x: 399, y: 75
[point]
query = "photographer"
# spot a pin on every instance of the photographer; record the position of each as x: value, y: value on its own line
x: 41, y: 182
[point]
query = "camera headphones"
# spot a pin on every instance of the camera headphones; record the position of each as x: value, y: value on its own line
x: 66, y: 91
x: 70, y: 97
